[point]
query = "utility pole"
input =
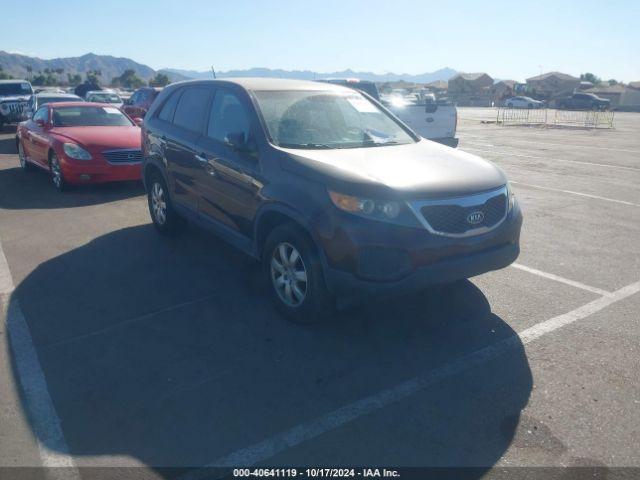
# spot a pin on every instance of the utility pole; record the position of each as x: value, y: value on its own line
x: 213, y: 71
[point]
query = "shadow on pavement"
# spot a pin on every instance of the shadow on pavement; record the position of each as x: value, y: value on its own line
x: 20, y: 190
x: 168, y: 352
x: 7, y: 145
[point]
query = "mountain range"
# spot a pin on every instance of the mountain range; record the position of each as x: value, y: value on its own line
x: 16, y: 65
x: 442, y: 74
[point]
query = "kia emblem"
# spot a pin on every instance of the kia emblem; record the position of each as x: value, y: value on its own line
x: 474, y: 218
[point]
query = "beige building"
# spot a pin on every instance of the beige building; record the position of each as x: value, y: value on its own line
x: 623, y: 97
x: 471, y: 89
x: 552, y: 85
x: 469, y: 83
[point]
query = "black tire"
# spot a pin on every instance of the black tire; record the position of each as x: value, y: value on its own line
x: 510, y: 105
x: 55, y: 171
x: 163, y: 215
x: 316, y: 304
x: 24, y: 164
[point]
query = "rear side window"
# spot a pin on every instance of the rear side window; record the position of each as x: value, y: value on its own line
x: 169, y: 107
x: 191, y: 109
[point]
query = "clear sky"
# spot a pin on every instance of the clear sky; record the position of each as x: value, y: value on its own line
x: 507, y: 39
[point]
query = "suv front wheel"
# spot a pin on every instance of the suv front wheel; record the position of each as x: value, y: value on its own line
x: 294, y: 273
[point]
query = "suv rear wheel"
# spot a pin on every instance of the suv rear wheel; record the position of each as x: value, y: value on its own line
x: 164, y: 217
x: 294, y: 272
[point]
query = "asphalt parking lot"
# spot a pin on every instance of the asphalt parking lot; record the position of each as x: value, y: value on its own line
x: 125, y: 348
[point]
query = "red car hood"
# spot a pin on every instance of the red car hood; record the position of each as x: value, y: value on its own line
x: 101, y: 138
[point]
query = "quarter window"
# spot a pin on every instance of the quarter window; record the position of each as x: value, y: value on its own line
x: 228, y: 116
x: 191, y: 109
x: 169, y: 107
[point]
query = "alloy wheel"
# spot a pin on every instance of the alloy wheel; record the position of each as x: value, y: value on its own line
x: 21, y: 155
x: 158, y: 203
x: 56, y: 172
x: 289, y: 274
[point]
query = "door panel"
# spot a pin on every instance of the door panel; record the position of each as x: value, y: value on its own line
x: 230, y: 180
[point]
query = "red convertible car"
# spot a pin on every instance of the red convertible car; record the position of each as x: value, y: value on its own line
x: 81, y: 143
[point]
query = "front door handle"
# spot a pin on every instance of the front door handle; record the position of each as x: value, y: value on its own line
x: 207, y: 164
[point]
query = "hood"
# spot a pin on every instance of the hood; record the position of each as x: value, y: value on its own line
x: 14, y: 98
x: 101, y: 138
x: 423, y: 169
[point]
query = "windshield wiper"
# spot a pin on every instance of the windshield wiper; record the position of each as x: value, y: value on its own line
x: 307, y: 145
x: 372, y: 143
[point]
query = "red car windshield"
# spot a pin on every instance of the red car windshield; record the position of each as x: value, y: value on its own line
x: 89, y: 116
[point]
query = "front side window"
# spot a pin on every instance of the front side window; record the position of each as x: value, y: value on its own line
x: 89, y: 116
x: 41, y: 114
x: 327, y: 119
x: 228, y: 116
x: 191, y: 109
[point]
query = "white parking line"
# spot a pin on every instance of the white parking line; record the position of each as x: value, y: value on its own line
x: 551, y: 276
x: 510, y: 154
x: 282, y: 441
x: 52, y: 445
x: 588, y: 195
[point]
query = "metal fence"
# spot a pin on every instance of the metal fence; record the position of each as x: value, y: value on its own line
x: 547, y: 117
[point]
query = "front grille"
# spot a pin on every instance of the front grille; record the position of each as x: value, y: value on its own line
x: 14, y: 108
x: 462, y: 216
x: 123, y: 156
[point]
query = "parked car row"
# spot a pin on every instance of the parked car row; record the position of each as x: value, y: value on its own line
x: 332, y: 192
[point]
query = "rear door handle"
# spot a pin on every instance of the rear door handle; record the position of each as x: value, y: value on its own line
x: 207, y: 164
x: 202, y: 159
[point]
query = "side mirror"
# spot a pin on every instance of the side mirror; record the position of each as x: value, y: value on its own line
x: 138, y: 121
x: 238, y: 142
x: 40, y: 123
x: 431, y: 107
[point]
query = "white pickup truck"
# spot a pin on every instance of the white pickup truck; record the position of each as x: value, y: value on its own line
x: 429, y: 118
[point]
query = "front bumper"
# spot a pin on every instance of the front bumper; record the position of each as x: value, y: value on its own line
x: 407, y: 262
x: 98, y: 171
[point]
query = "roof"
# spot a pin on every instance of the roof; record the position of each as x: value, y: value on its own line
x: 442, y: 84
x: 470, y: 76
x: 634, y: 85
x: 80, y: 104
x: 510, y: 83
x: 608, y: 89
x: 563, y: 76
x: 259, y: 83
x: 55, y: 95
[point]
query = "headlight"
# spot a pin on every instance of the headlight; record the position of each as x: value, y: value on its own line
x: 4, y: 107
x: 511, y: 196
x: 365, y: 206
x: 76, y: 151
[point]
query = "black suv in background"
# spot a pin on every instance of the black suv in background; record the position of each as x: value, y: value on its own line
x: 583, y: 101
x: 336, y: 196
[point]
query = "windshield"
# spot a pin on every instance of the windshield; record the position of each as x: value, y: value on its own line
x: 327, y: 119
x: 104, y: 98
x: 87, y: 116
x: 17, y: 88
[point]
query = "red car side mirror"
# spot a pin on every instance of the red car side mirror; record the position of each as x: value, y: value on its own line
x: 40, y: 123
x: 138, y: 121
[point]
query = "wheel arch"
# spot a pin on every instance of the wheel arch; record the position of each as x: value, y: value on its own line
x: 273, y: 215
